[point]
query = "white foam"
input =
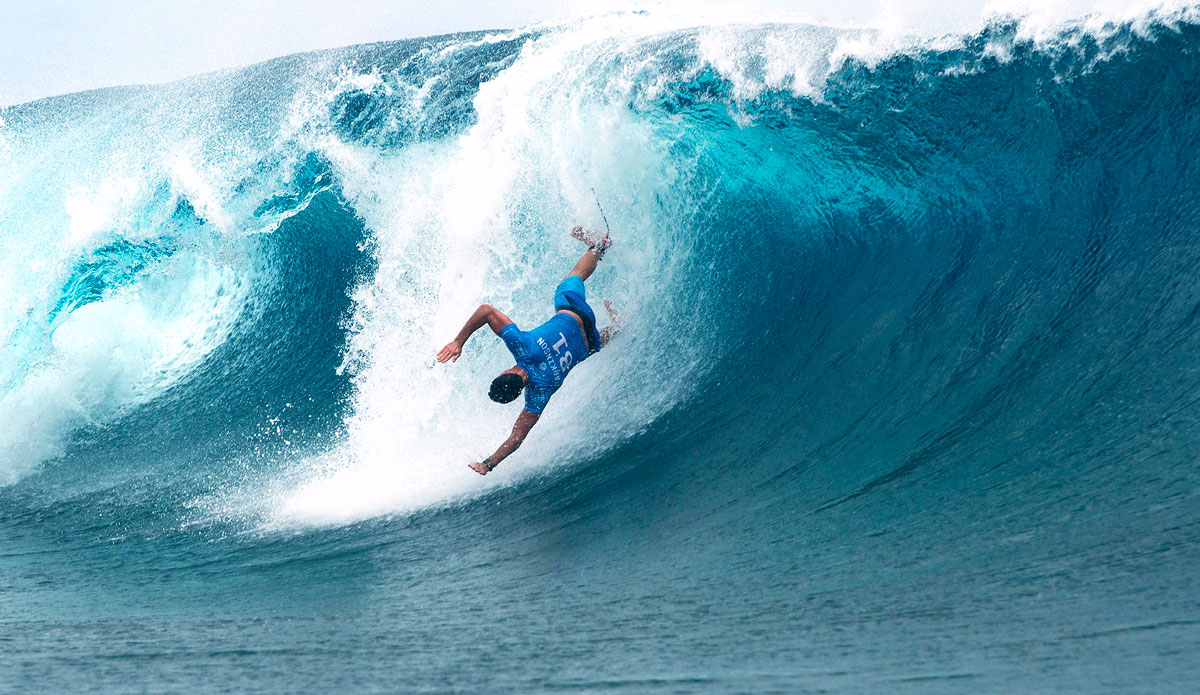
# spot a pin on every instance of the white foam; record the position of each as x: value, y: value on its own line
x: 445, y: 216
x: 95, y: 210
x: 199, y: 190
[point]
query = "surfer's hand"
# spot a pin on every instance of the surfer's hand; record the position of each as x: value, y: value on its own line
x: 451, y: 352
x: 479, y: 467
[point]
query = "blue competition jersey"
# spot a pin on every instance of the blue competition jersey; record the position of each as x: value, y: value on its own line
x: 547, y: 354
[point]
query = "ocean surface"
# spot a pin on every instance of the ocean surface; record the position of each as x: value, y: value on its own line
x: 907, y: 398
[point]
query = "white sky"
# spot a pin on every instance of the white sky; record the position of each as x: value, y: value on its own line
x: 50, y: 47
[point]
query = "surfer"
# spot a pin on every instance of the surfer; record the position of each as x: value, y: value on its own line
x: 545, y: 354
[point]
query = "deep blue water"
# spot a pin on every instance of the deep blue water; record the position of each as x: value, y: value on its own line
x: 905, y: 401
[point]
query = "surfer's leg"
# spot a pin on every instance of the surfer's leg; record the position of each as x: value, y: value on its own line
x: 586, y: 265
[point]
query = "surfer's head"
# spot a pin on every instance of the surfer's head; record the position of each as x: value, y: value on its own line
x: 506, y: 387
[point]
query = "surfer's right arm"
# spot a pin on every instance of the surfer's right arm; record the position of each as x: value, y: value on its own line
x: 486, y: 313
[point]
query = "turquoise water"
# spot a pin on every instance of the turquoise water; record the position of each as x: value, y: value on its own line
x: 905, y: 401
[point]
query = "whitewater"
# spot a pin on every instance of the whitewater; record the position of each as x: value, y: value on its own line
x: 905, y: 399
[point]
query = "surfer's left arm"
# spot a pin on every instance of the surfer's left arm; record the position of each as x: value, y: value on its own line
x: 525, y: 422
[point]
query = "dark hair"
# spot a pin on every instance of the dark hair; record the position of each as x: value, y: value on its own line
x: 506, y: 388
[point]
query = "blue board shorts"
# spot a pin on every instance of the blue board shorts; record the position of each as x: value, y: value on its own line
x: 570, y: 295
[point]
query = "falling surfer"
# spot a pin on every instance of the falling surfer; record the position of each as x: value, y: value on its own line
x: 545, y: 354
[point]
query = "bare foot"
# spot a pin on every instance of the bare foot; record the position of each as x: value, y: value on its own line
x: 596, y: 243
x: 588, y: 237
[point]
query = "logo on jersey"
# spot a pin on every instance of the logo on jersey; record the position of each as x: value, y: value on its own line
x: 561, y: 361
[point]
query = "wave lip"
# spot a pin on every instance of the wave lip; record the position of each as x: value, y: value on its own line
x: 463, y: 158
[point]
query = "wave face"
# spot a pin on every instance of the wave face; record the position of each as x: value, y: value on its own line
x: 905, y: 401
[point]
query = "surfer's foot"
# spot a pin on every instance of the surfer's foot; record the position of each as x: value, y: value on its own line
x: 595, y: 244
x: 601, y: 247
x: 591, y: 238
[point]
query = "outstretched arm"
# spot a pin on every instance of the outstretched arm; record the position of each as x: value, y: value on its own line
x: 486, y: 313
x: 614, y: 324
x: 525, y: 422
